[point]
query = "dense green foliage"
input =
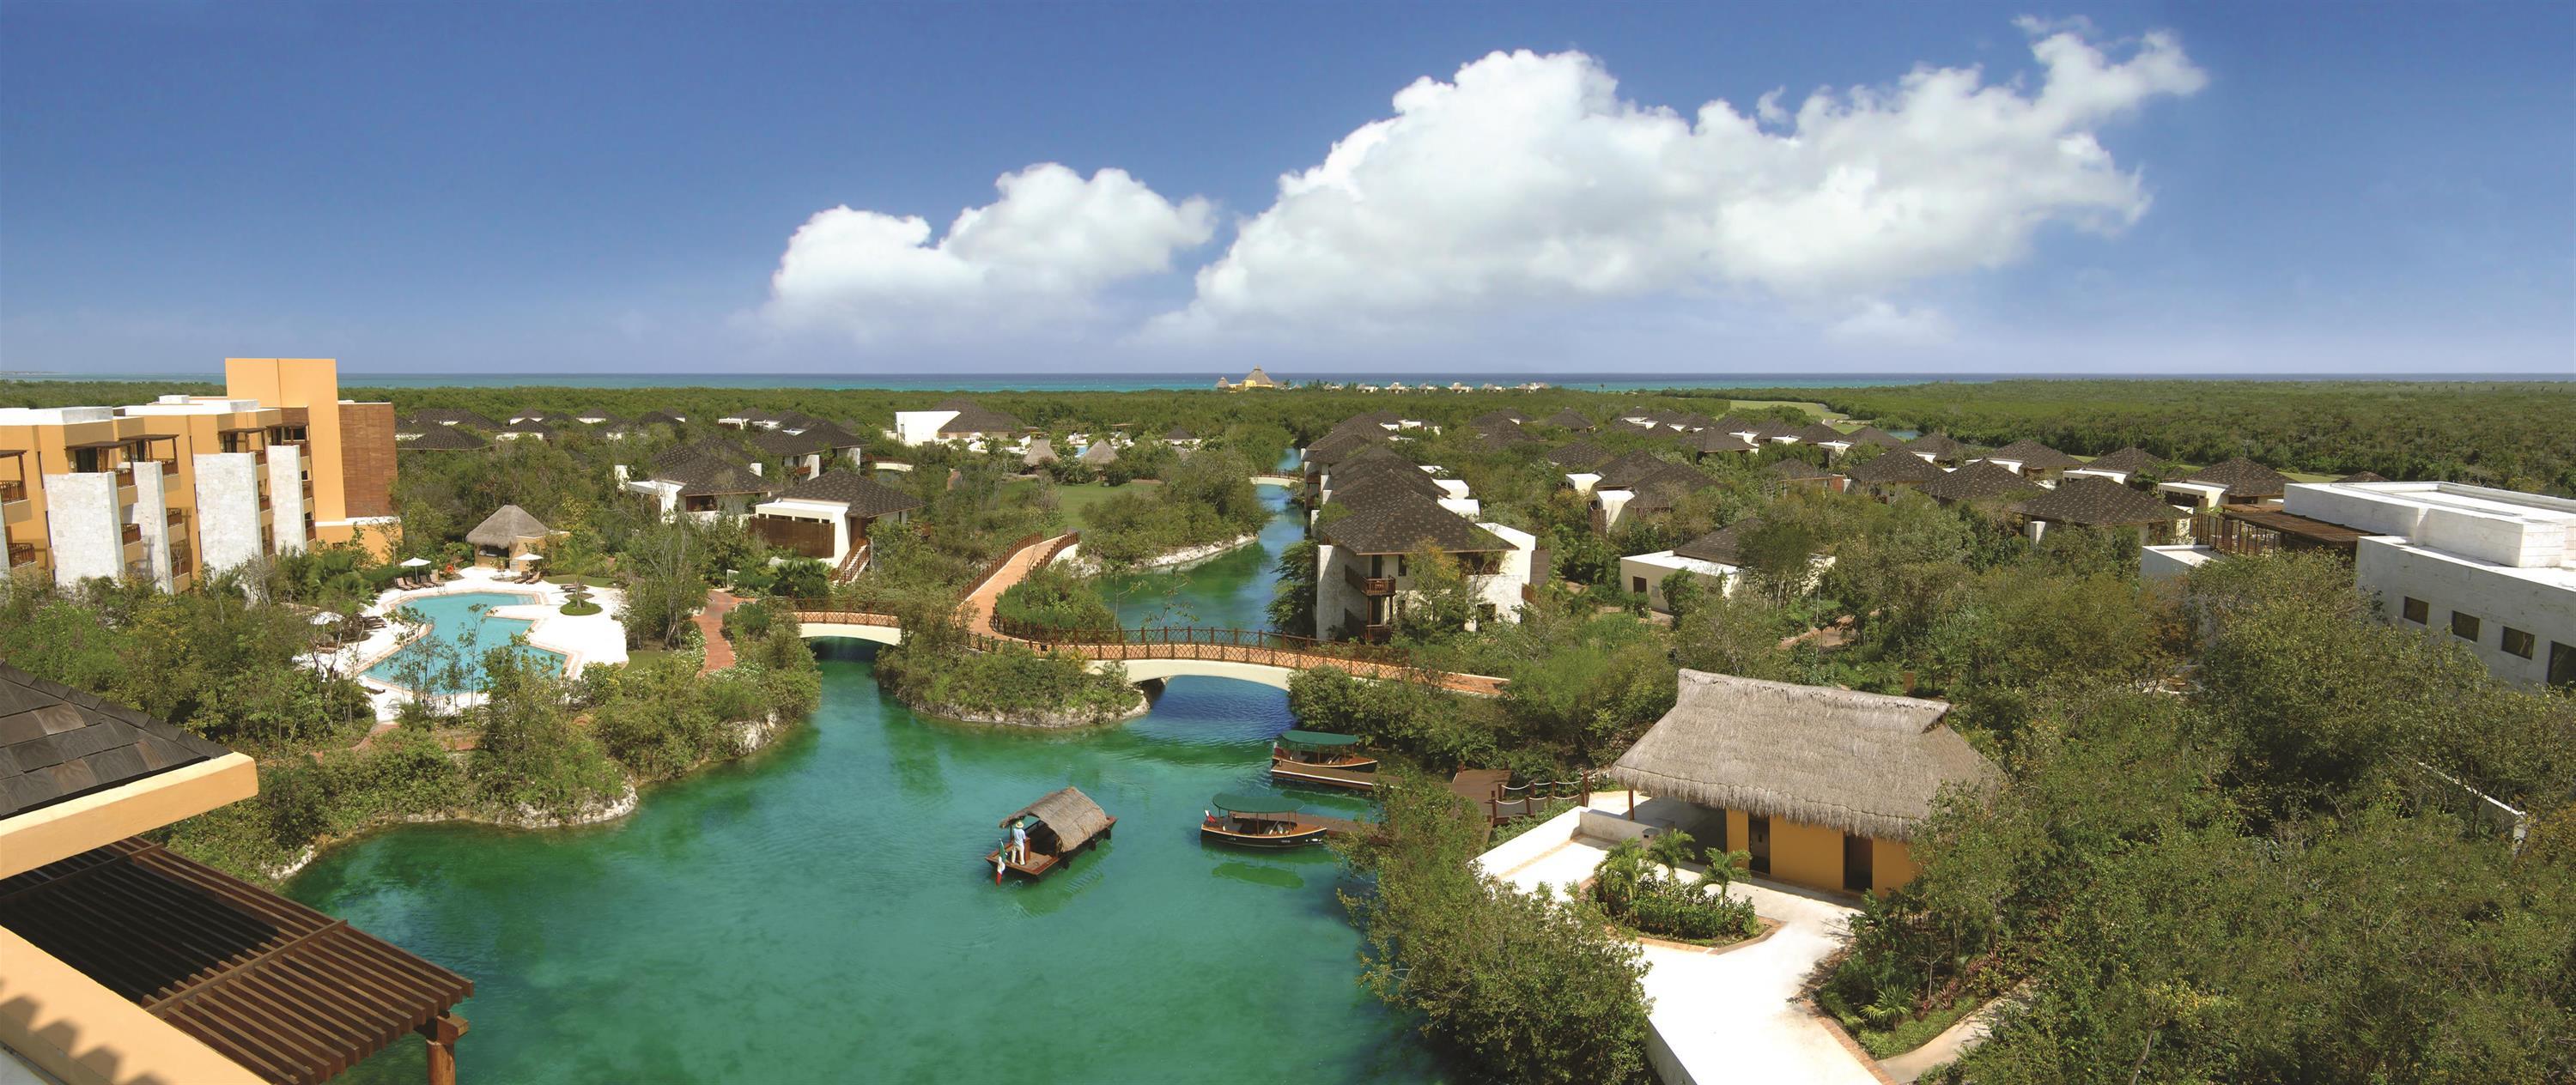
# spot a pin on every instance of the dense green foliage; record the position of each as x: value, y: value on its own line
x: 1519, y: 987
x: 1054, y: 598
x: 2512, y: 435
x: 1639, y: 885
x: 2259, y: 880
x: 235, y: 669
x: 932, y: 672
x: 214, y: 662
x: 1204, y: 499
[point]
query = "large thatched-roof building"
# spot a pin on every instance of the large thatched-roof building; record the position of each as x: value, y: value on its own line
x: 1823, y: 786
x: 507, y: 533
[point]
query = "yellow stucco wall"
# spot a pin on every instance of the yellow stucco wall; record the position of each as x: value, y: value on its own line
x: 1891, y: 864
x: 311, y: 383
x: 1807, y: 855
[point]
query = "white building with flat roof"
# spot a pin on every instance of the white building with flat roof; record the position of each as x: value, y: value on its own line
x: 2492, y: 569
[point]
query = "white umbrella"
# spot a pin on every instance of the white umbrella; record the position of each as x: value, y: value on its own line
x: 326, y: 618
x: 530, y: 556
x: 414, y: 563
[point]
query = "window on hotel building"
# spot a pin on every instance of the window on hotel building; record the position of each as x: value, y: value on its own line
x: 2464, y: 626
x: 1637, y: 584
x: 2562, y: 664
x: 2416, y: 611
x: 2517, y: 642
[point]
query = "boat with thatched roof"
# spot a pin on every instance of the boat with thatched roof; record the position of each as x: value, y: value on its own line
x: 1250, y: 821
x: 1060, y: 826
x: 1824, y: 787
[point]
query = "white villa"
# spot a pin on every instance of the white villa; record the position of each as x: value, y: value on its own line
x: 828, y: 517
x: 699, y: 481
x: 1374, y: 509
x: 2492, y: 569
x: 960, y: 422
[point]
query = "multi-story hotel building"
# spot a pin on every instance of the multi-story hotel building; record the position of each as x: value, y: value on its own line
x: 170, y: 490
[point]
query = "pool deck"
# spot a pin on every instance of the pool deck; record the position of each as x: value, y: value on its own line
x: 581, y: 640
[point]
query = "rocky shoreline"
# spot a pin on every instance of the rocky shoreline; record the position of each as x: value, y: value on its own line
x: 1172, y: 561
x: 750, y: 737
x: 1045, y: 721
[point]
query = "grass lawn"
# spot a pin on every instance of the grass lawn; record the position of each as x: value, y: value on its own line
x: 1817, y: 410
x: 1078, y: 501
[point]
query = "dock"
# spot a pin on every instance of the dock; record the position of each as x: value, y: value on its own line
x: 1296, y: 772
x: 1335, y: 826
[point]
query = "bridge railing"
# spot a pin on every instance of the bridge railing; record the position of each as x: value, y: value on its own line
x: 1199, y: 637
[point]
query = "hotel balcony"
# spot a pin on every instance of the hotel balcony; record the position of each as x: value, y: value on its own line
x: 14, y: 506
x: 1367, y: 585
x: 21, y: 554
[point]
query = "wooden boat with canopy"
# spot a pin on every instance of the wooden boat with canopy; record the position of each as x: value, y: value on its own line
x: 1322, y: 759
x: 1062, y: 825
x: 1248, y: 821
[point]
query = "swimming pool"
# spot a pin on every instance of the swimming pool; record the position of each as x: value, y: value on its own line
x: 449, y: 658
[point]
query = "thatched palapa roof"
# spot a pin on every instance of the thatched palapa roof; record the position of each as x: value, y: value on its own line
x: 1862, y: 763
x: 505, y: 528
x: 1069, y: 814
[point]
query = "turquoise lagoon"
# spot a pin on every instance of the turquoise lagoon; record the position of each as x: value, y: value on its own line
x: 820, y: 913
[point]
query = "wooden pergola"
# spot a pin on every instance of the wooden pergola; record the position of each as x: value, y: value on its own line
x: 288, y: 993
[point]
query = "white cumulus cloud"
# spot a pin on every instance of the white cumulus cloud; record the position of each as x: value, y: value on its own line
x: 1040, y: 253
x: 1526, y: 179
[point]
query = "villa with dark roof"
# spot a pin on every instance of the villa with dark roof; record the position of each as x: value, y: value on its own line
x: 702, y: 480
x: 1979, y: 481
x: 829, y: 517
x: 1375, y: 510
x: 2123, y: 466
x: 2100, y: 503
x: 1888, y: 473
x: 2238, y: 481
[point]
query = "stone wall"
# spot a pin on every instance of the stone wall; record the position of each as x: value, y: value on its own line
x: 227, y: 509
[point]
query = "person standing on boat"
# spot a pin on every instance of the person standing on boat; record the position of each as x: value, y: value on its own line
x: 1019, y: 842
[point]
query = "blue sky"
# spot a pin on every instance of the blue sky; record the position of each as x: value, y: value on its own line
x: 614, y: 188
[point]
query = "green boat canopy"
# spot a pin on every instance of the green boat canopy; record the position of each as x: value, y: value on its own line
x: 1254, y: 804
x: 1319, y: 738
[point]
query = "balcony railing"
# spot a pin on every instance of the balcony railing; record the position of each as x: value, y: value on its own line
x: 21, y: 554
x: 133, y: 533
x: 172, y: 517
x: 1367, y: 585
x: 12, y: 490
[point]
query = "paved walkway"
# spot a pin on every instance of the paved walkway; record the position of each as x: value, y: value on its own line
x: 978, y: 606
x: 710, y: 619
x: 1729, y: 1014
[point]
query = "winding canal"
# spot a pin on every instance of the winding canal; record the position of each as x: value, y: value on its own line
x: 817, y: 912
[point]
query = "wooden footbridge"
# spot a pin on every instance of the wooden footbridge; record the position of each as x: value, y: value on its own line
x: 1150, y: 653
